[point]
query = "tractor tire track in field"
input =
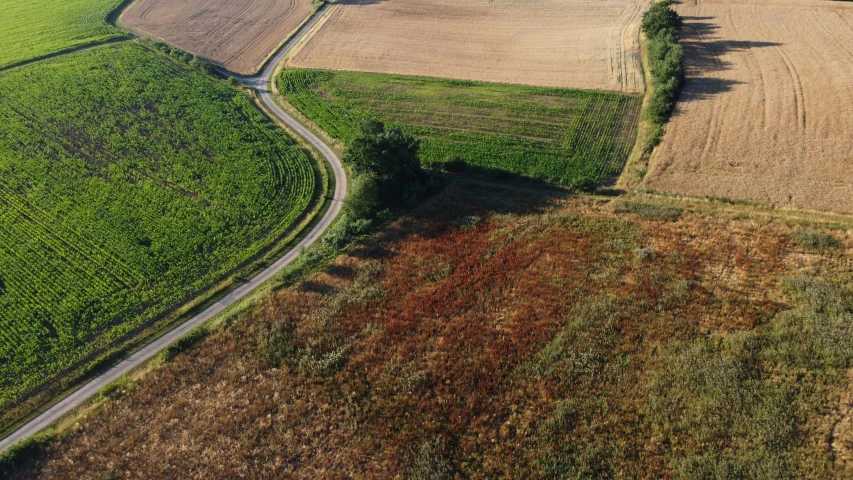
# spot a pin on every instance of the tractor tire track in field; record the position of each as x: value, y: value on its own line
x: 87, y: 391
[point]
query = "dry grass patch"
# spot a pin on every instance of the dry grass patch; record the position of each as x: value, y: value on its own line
x: 507, y: 333
x: 765, y: 114
x: 556, y: 43
x: 238, y: 35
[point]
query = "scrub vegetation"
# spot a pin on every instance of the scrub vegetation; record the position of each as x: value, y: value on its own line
x: 505, y: 332
x: 661, y: 24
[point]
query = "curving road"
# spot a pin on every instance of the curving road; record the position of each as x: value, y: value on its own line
x: 261, y: 83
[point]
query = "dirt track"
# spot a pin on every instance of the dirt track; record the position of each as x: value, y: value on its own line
x: 558, y: 43
x: 766, y: 114
x: 239, y: 35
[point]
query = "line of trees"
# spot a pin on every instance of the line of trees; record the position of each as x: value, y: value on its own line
x: 661, y: 25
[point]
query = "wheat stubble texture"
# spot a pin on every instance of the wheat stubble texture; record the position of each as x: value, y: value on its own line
x: 766, y: 113
x: 240, y: 35
x: 554, y: 43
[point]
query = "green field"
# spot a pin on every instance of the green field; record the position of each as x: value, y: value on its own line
x: 128, y: 182
x: 569, y: 136
x: 32, y: 29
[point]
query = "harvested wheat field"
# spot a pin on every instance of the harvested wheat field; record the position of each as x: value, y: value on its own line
x: 238, y: 35
x: 766, y: 113
x: 554, y: 43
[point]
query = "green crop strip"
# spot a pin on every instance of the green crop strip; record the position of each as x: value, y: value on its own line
x: 128, y: 182
x: 569, y: 136
x: 31, y: 29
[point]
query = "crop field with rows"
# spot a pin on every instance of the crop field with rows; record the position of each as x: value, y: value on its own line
x: 128, y: 183
x: 30, y: 29
x: 562, y: 135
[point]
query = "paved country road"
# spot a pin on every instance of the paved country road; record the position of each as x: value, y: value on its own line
x: 260, y: 83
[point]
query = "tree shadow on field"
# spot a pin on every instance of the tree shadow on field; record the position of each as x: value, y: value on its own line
x: 340, y: 271
x: 705, y: 58
x: 465, y: 203
x: 312, y: 286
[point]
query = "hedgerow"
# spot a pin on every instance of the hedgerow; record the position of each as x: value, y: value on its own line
x: 661, y: 25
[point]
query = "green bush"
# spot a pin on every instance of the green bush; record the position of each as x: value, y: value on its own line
x: 455, y: 164
x: 275, y: 342
x: 363, y: 198
x: 666, y: 56
x: 184, y: 343
x: 429, y: 460
x: 23, y: 451
x: 345, y: 231
x: 813, y: 240
x: 649, y: 211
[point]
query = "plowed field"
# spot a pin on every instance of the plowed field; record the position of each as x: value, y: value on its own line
x: 766, y: 113
x: 556, y: 43
x: 238, y: 35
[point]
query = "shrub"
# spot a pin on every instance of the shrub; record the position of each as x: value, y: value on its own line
x: 819, y: 333
x: 666, y: 56
x: 363, y: 199
x: 660, y: 18
x: 275, y: 342
x: 583, y: 183
x: 814, y: 240
x: 467, y: 222
x: 23, y: 451
x: 184, y: 343
x: 323, y: 364
x: 345, y: 231
x: 648, y: 211
x: 429, y: 461
x: 455, y: 164
x: 643, y: 254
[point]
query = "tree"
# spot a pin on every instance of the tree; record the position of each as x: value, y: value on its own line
x: 390, y: 157
x: 363, y: 200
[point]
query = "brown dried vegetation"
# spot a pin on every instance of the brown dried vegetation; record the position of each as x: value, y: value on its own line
x: 493, y: 333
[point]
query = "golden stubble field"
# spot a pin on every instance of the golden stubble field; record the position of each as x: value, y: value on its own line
x: 240, y: 35
x: 766, y: 113
x: 555, y: 43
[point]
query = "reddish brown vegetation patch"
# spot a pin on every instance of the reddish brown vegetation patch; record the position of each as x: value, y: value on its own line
x: 495, y: 333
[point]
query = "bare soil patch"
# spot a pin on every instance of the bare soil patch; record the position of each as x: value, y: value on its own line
x: 765, y: 115
x: 556, y: 43
x: 238, y: 35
